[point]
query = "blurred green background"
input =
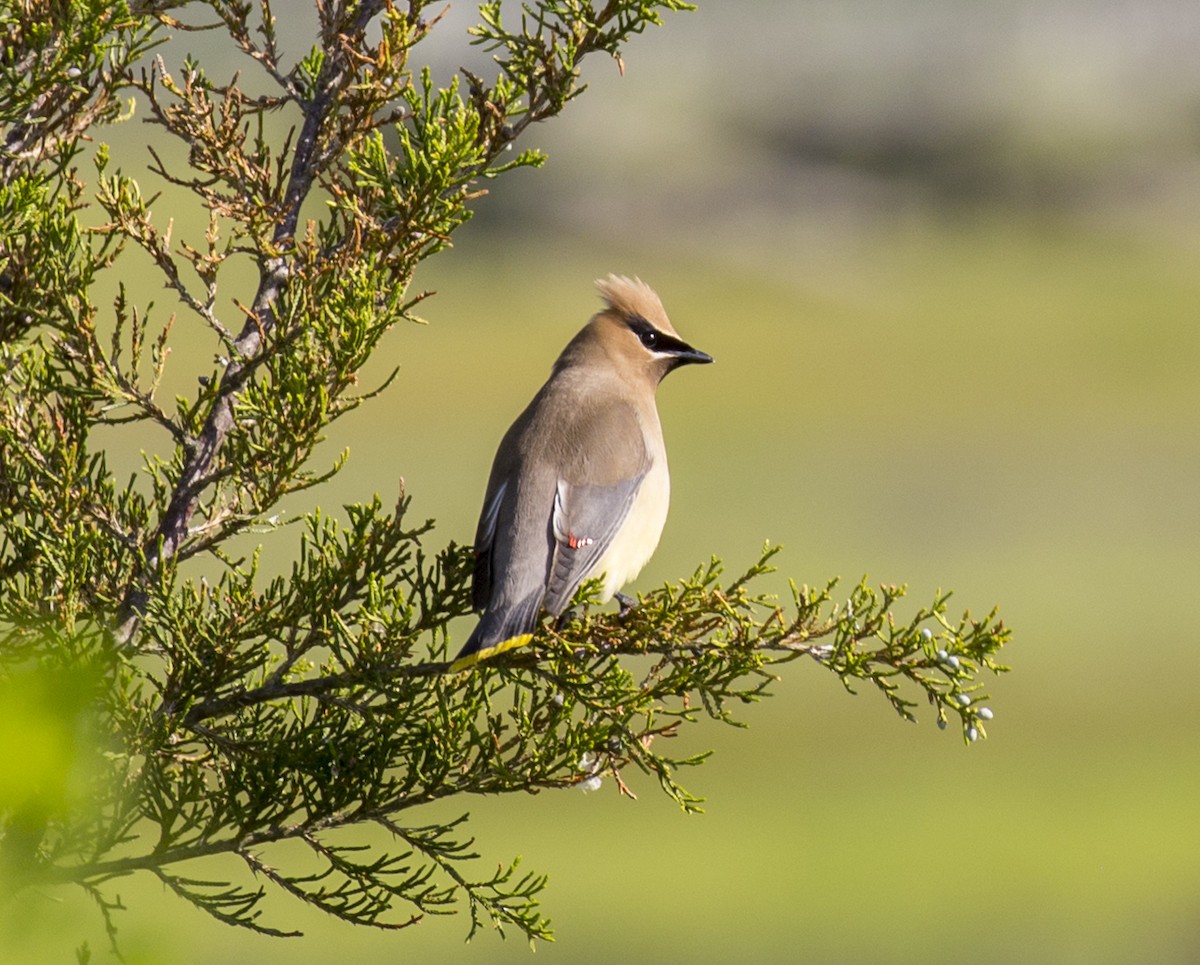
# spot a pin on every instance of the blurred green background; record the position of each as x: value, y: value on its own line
x: 946, y: 257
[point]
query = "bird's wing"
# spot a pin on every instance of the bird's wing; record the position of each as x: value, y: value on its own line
x: 593, y: 497
x: 485, y: 539
x: 586, y: 519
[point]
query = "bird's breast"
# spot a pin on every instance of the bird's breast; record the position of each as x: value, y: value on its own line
x: 638, y: 536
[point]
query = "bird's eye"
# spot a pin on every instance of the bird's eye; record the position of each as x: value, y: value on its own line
x: 650, y: 338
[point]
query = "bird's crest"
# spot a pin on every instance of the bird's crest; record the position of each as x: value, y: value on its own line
x: 633, y: 298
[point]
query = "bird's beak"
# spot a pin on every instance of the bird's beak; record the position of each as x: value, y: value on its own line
x: 686, y: 355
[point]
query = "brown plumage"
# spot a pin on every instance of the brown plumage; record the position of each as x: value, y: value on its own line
x: 579, y: 485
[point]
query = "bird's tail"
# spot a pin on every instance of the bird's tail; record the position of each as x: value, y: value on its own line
x: 496, y: 632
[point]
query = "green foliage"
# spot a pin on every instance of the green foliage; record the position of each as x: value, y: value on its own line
x: 62, y: 69
x: 219, y: 712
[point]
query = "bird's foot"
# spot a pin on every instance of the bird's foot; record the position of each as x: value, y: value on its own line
x: 627, y: 603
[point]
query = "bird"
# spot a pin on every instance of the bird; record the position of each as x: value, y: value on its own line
x: 579, y: 486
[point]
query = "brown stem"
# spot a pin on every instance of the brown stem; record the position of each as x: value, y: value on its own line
x: 202, y: 454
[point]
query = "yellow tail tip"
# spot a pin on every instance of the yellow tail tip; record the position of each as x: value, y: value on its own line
x: 470, y: 659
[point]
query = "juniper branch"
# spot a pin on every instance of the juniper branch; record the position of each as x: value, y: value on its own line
x: 274, y: 272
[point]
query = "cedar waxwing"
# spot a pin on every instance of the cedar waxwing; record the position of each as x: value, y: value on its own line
x: 579, y: 485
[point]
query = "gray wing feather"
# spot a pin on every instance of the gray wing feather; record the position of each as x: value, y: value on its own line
x: 485, y: 539
x: 585, y: 520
